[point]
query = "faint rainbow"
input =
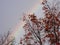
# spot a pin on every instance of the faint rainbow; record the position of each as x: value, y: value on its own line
x: 15, y: 31
x: 35, y: 7
x: 17, y: 28
x: 21, y: 23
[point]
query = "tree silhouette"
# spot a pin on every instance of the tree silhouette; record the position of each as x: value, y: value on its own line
x: 38, y: 31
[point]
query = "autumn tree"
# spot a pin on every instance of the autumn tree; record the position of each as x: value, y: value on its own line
x: 52, y: 22
x: 33, y: 27
x: 38, y: 31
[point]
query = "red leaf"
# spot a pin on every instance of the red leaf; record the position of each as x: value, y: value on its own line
x: 26, y: 37
x: 20, y: 42
x: 29, y: 34
x: 57, y: 43
x: 50, y: 35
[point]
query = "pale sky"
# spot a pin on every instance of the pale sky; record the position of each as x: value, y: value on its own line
x: 12, y: 10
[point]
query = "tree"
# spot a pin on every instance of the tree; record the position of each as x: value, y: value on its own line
x: 5, y: 40
x: 38, y: 31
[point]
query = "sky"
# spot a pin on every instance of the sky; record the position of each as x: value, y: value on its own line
x: 12, y: 10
